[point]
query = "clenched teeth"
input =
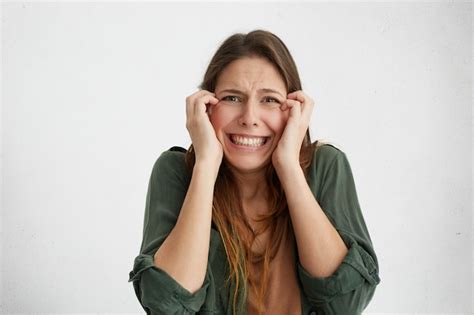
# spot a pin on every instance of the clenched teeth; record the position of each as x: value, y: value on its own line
x: 252, y: 142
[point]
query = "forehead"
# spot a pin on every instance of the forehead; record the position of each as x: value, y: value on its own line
x: 251, y: 73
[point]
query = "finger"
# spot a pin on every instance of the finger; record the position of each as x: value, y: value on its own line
x: 191, y: 100
x: 306, y: 112
x: 209, y: 106
x: 284, y: 106
x: 301, y: 96
x: 189, y: 106
x: 202, y: 102
x: 307, y: 102
x: 295, y: 110
x: 298, y: 95
x: 290, y: 103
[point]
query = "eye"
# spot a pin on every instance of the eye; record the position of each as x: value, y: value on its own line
x: 229, y: 97
x: 272, y: 100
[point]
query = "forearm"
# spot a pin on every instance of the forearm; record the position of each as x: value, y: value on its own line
x: 184, y: 253
x: 320, y: 247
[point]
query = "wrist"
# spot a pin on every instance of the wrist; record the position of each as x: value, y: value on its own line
x: 207, y: 166
x: 287, y: 171
x: 284, y: 165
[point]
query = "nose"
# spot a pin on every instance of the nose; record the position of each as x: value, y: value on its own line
x: 249, y: 116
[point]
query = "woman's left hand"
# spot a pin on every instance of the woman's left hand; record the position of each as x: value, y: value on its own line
x: 287, y: 152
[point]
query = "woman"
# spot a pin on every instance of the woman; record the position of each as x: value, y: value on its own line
x: 254, y: 218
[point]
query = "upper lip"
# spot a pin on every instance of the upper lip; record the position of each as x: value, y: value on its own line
x: 246, y: 135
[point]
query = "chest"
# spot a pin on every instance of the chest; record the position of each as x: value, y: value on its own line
x: 283, y: 293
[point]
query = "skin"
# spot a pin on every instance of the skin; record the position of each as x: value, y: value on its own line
x: 251, y: 112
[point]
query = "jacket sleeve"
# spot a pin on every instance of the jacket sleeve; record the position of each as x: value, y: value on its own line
x: 157, y: 291
x: 351, y: 287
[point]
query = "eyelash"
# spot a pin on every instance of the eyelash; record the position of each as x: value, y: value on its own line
x: 268, y: 97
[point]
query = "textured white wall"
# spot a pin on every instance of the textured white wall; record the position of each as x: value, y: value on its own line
x: 93, y: 93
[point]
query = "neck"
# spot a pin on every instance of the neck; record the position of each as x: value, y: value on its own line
x: 252, y: 185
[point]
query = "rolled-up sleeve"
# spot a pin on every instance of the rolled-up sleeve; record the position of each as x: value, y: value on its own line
x: 156, y: 290
x: 159, y: 293
x: 351, y: 287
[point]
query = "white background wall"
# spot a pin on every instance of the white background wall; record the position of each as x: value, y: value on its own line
x: 94, y: 92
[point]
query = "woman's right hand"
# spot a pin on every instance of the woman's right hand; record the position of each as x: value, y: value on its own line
x: 207, y: 148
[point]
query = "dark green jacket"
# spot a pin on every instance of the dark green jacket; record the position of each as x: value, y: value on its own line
x: 347, y: 291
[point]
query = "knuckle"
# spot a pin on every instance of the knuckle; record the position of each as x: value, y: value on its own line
x: 189, y: 126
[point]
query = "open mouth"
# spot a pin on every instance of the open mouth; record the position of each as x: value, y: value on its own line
x: 248, y: 141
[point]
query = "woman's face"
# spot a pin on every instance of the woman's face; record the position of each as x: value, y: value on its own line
x: 248, y: 120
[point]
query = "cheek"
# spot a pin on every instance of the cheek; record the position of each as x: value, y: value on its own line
x: 218, y: 118
x: 277, y: 121
x: 215, y: 123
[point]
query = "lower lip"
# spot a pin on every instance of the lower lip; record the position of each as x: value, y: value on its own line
x: 245, y: 147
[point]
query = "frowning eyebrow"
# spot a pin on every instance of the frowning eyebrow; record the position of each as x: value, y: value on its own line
x: 242, y: 93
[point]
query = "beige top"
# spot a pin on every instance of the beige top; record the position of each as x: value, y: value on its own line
x: 283, y: 294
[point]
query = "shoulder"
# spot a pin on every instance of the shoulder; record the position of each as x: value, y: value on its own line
x: 327, y: 158
x: 171, y: 163
x: 326, y: 153
x: 328, y: 164
x: 173, y: 156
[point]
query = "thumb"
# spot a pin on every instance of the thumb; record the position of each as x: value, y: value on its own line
x: 208, y: 109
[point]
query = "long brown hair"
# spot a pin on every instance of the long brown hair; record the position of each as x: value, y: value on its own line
x: 227, y: 210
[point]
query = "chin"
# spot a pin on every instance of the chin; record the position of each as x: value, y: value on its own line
x: 247, y: 164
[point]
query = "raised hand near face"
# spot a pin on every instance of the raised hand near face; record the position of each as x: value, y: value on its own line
x: 207, y: 147
x: 287, y: 152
